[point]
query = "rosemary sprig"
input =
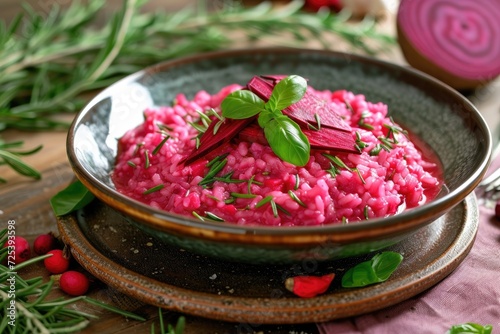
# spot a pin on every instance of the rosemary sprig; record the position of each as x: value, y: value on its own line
x: 26, y: 308
x: 48, y: 62
x: 12, y: 157
x: 169, y: 329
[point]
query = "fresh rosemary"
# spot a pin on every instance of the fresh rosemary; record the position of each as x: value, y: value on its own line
x: 25, y: 308
x: 11, y: 156
x: 51, y: 64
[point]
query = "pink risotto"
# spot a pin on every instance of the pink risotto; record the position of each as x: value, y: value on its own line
x: 255, y: 187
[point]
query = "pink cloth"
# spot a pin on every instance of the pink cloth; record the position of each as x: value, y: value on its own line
x: 471, y: 293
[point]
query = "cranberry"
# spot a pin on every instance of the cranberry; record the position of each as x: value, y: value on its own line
x: 74, y: 283
x: 44, y: 243
x: 57, y: 263
x: 18, y: 249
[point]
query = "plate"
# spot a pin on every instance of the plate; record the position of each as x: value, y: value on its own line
x: 163, y: 275
x: 450, y: 126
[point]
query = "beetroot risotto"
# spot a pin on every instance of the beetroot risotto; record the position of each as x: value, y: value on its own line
x: 188, y: 159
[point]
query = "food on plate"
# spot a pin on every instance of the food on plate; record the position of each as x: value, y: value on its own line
x: 190, y: 159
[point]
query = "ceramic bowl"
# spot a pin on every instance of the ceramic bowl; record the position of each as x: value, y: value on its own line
x: 447, y: 122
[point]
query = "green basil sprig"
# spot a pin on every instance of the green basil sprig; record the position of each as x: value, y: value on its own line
x: 376, y: 270
x: 285, y: 137
x: 470, y: 327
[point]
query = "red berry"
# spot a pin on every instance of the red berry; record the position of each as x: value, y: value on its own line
x: 18, y: 249
x: 74, y: 283
x: 57, y: 263
x: 43, y: 243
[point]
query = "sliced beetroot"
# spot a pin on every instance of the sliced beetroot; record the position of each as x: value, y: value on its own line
x: 304, y: 112
x: 325, y: 139
x: 332, y: 134
x: 331, y: 139
x: 210, y: 141
x: 253, y: 133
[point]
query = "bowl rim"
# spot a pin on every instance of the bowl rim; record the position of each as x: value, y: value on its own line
x: 183, y: 225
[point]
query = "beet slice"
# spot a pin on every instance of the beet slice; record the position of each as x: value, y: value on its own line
x: 325, y: 139
x: 457, y: 42
x: 331, y: 139
x: 334, y: 134
x: 303, y: 112
x: 253, y: 133
x: 208, y: 142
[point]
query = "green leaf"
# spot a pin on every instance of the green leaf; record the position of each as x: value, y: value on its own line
x: 376, y: 270
x: 241, y: 104
x: 470, y: 327
x: 18, y: 165
x: 385, y: 263
x: 287, y: 92
x: 70, y: 199
x: 360, y: 275
x: 265, y: 117
x: 287, y: 141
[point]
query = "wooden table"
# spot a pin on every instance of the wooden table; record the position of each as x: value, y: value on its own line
x: 27, y: 201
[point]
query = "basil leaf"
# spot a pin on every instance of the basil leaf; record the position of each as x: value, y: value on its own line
x: 376, y: 270
x: 73, y: 197
x: 287, y: 92
x: 470, y: 328
x: 385, y: 263
x: 241, y: 104
x: 287, y: 141
x: 265, y: 117
x: 360, y: 275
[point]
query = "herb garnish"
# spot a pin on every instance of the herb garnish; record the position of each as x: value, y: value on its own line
x: 215, y: 166
x: 376, y: 270
x: 160, y: 145
x: 147, y: 164
x: 297, y: 182
x: 335, y: 164
x: 471, y: 328
x: 208, y: 216
x: 274, y: 206
x: 285, y: 137
x: 360, y: 144
x: 362, y: 123
x: 153, y: 189
x: 296, y: 199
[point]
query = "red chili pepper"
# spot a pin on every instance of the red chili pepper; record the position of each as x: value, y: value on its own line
x: 309, y: 286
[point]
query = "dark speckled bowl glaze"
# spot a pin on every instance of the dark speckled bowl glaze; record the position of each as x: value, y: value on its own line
x: 448, y: 123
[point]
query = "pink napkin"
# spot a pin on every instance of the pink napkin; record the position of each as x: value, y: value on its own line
x: 471, y: 293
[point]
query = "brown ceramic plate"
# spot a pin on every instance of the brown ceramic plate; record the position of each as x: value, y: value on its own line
x: 140, y: 266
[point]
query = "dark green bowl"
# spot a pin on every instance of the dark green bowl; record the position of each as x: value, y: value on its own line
x: 448, y: 123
